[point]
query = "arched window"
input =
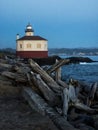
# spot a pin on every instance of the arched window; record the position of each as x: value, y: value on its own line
x: 28, y: 45
x: 20, y: 45
x: 38, y: 45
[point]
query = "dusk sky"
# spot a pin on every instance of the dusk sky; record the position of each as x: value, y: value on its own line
x: 64, y: 23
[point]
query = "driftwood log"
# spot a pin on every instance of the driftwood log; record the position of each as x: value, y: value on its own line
x: 47, y: 92
x: 37, y: 103
x: 65, y: 102
x: 58, y: 65
x: 58, y: 73
x: 47, y: 95
x: 21, y: 78
x: 47, y: 79
x: 91, y: 94
x: 7, y: 66
x: 69, y: 97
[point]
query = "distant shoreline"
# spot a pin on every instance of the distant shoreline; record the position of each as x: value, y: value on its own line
x: 63, y: 51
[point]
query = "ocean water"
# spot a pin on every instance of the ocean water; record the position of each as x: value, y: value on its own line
x: 86, y: 72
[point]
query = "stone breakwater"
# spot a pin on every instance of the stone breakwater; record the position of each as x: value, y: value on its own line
x: 71, y: 105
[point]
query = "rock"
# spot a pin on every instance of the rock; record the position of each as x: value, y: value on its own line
x: 45, y: 61
x: 84, y: 127
x: 80, y: 59
x: 96, y: 121
x: 88, y: 120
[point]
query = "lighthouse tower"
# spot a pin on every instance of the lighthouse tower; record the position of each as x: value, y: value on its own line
x: 31, y: 46
x: 29, y: 31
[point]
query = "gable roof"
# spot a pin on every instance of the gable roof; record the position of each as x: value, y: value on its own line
x: 31, y: 38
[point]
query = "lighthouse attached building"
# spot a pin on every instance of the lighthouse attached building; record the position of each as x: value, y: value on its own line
x: 30, y: 46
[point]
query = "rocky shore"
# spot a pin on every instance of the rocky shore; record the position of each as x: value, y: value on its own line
x: 51, y: 60
x: 15, y: 112
x: 71, y: 105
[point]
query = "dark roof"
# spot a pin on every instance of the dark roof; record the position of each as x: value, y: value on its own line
x: 32, y: 38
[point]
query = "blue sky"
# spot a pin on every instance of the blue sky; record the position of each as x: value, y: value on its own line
x: 64, y: 23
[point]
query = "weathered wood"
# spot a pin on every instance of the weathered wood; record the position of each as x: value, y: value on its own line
x: 80, y: 90
x: 7, y: 66
x: 17, y: 77
x: 29, y: 79
x: 84, y: 107
x: 15, y: 68
x: 58, y: 77
x: 96, y: 94
x: 57, y: 65
x: 62, y: 84
x: 37, y: 103
x: 70, y: 97
x: 48, y: 80
x: 87, y: 93
x: 21, y: 69
x: 65, y: 102
x: 87, y: 89
x: 58, y: 73
x: 93, y: 90
x: 76, y: 103
x: 84, y: 87
x: 48, y: 94
x: 91, y: 94
x: 72, y: 94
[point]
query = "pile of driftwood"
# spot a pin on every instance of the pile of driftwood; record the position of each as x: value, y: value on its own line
x: 71, y: 105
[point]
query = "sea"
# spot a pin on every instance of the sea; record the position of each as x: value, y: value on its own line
x: 85, y: 72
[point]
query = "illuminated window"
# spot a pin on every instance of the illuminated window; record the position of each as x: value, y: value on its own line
x: 28, y: 45
x: 20, y: 45
x: 38, y: 45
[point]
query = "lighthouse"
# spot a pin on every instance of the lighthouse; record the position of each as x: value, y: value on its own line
x: 30, y: 45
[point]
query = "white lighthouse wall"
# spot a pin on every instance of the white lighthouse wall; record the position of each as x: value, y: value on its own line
x: 29, y: 33
x: 29, y: 45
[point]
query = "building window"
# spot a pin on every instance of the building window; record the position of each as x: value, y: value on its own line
x: 28, y: 45
x: 38, y: 45
x: 20, y: 45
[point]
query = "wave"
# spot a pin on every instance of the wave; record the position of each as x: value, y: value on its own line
x: 86, y: 63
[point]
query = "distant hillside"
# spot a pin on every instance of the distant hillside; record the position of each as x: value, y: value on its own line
x: 8, y: 50
x: 61, y: 51
x: 73, y: 51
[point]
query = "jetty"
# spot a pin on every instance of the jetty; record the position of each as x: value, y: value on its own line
x: 71, y: 106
